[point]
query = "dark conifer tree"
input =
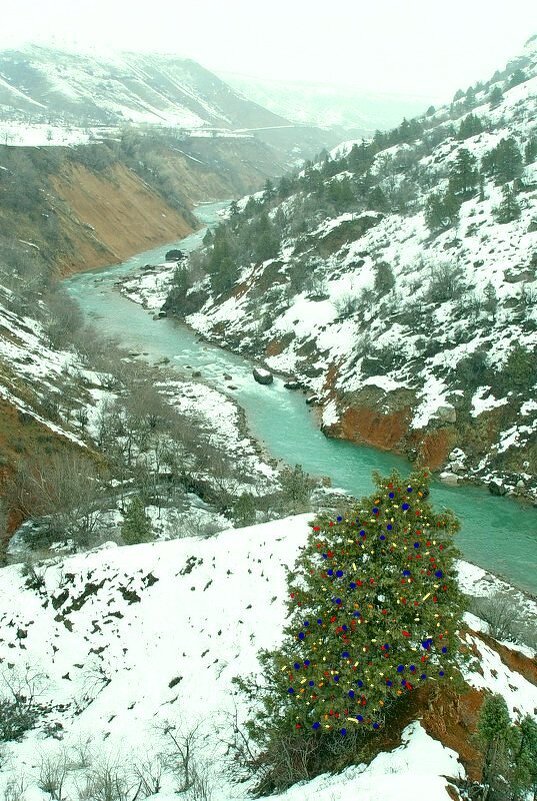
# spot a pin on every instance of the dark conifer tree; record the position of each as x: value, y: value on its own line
x: 464, y: 177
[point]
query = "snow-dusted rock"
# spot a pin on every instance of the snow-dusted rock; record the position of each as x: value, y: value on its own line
x: 262, y: 376
x: 449, y: 478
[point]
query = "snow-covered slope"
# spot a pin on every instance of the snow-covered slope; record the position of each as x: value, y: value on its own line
x: 408, y: 335
x: 34, y: 377
x: 119, y: 642
x: 141, y: 88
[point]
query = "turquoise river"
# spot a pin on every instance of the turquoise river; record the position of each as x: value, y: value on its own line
x: 498, y: 533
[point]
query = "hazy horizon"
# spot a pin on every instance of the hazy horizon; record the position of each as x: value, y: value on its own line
x: 412, y: 51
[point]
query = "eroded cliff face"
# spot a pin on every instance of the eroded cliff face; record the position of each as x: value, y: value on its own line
x: 100, y: 204
x: 107, y: 217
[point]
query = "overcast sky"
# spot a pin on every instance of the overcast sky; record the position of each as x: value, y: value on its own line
x: 410, y: 47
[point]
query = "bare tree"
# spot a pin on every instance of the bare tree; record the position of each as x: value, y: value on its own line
x: 109, y: 780
x: 15, y: 789
x: 183, y: 758
x: 499, y: 612
x: 53, y: 771
x: 63, y: 488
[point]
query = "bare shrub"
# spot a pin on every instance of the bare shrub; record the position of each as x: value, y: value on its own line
x: 109, y: 780
x: 183, y: 757
x: 15, y: 789
x: 346, y: 305
x: 445, y: 283
x: 148, y: 771
x: 19, y: 692
x: 81, y: 754
x: 499, y: 612
x: 65, y: 490
x: 297, y: 487
x: 63, y: 318
x: 201, y: 786
x: 53, y: 770
x: 34, y: 573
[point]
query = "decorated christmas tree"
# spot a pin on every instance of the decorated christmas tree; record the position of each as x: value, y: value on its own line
x: 374, y: 609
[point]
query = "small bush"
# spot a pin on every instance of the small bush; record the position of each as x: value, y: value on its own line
x: 136, y: 526
x: 244, y: 510
x: 497, y: 611
x: 384, y: 278
x: 297, y: 487
x: 34, y: 575
x: 52, y: 774
x: 346, y: 305
x: 16, y: 718
x: 445, y: 284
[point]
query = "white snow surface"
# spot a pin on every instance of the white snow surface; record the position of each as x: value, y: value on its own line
x: 192, y: 614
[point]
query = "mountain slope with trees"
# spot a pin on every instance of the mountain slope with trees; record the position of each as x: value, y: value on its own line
x: 396, y: 280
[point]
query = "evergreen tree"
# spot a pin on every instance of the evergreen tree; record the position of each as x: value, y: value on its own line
x: 495, y: 97
x: 285, y: 188
x: 459, y: 94
x: 244, y: 510
x: 384, y: 278
x: 518, y: 372
x: 136, y: 526
x: 517, y: 77
x: 374, y: 610
x: 464, y: 177
x: 267, y: 240
x: 360, y: 158
x: 430, y: 111
x: 469, y: 97
x: 504, y: 162
x: 481, y: 187
x: 494, y: 736
x: 509, y: 208
x: 341, y: 194
x: 234, y: 209
x: 441, y: 210
x: 377, y: 200
x: 471, y: 125
x: 490, y: 300
x: 525, y: 759
x: 222, y: 263
x: 269, y: 192
x: 251, y: 207
x: 530, y: 151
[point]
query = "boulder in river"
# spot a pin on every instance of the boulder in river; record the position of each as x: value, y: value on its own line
x: 449, y: 478
x: 312, y: 399
x: 262, y: 376
x: 496, y: 487
x: 162, y: 313
x: 174, y: 255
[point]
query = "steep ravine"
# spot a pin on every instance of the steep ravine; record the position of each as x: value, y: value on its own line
x: 102, y: 203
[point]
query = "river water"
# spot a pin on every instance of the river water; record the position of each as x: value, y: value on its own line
x: 499, y: 534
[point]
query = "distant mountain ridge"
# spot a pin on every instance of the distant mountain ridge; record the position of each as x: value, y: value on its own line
x: 140, y: 88
x: 328, y: 105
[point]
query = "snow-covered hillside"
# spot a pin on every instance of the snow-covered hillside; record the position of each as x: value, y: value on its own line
x: 120, y: 644
x: 34, y: 377
x: 52, y: 397
x: 415, y: 333
x: 42, y: 82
